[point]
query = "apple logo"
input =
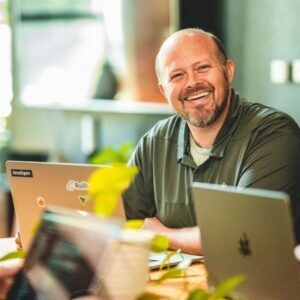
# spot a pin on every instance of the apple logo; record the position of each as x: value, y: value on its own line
x: 244, y: 245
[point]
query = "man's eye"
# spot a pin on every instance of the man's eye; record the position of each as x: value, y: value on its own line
x: 176, y: 75
x: 203, y: 68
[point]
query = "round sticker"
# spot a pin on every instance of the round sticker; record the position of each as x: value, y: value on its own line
x: 41, y: 201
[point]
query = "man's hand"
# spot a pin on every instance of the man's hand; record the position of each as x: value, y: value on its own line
x: 18, y: 241
x: 6, y: 280
x: 187, y: 239
x: 155, y: 225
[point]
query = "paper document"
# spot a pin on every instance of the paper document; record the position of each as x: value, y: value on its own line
x: 156, y: 259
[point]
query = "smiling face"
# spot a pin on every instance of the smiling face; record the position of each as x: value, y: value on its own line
x: 195, y: 80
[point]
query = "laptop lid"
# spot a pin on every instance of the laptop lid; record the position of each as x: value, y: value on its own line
x: 61, y: 264
x: 35, y: 185
x: 248, y: 231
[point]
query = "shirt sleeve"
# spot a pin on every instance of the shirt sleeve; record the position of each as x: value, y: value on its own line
x: 273, y: 162
x: 138, y: 198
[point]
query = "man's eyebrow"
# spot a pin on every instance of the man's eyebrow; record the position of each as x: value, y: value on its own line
x: 202, y: 62
x: 173, y: 71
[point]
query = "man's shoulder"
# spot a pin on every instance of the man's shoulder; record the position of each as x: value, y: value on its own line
x: 166, y: 129
x: 259, y: 116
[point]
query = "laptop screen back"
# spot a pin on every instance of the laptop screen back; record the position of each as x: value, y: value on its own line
x: 248, y: 232
x: 36, y: 185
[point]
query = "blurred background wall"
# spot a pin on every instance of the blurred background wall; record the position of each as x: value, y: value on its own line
x: 256, y: 33
x: 70, y: 55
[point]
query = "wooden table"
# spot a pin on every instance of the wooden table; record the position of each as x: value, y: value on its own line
x: 178, y: 288
x: 175, y: 288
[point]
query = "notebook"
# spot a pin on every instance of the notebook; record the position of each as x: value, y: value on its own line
x: 157, y: 259
x: 35, y: 185
x: 248, y: 231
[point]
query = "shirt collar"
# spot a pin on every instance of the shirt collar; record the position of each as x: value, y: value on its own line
x: 223, y: 137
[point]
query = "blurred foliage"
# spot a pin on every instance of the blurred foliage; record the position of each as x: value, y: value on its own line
x: 112, y: 156
x: 106, y: 185
x: 160, y: 243
x: 133, y: 224
x: 222, y: 291
x: 167, y: 258
x: 13, y: 255
x: 4, y: 9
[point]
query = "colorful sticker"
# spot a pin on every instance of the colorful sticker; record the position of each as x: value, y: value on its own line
x: 73, y: 185
x: 41, y: 201
x: 83, y: 200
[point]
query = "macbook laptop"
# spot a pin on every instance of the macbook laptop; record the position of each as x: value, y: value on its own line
x: 250, y: 232
x: 35, y: 185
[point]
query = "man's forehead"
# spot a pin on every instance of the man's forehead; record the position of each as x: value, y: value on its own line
x: 177, y: 42
x: 176, y: 50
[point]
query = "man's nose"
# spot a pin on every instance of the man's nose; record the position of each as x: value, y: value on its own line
x: 191, y: 81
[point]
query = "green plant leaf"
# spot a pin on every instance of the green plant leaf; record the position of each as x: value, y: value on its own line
x: 167, y: 258
x: 105, y: 204
x: 198, y: 294
x: 109, y: 155
x: 105, y: 186
x: 227, y: 286
x: 171, y: 273
x: 160, y: 243
x: 13, y: 254
x: 148, y: 296
x: 133, y: 224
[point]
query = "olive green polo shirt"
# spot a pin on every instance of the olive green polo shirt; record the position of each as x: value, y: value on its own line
x: 257, y: 147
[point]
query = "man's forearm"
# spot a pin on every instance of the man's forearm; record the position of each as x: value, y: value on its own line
x: 186, y: 239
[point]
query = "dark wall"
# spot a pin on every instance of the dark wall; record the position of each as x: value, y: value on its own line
x: 205, y: 14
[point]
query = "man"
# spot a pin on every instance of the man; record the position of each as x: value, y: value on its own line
x: 217, y: 137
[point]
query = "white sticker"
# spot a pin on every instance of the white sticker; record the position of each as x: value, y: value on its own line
x: 73, y: 185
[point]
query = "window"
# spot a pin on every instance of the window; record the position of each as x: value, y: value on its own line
x: 61, y: 48
x: 5, y: 65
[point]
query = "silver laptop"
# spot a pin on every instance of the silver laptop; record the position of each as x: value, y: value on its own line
x: 35, y: 185
x: 248, y: 231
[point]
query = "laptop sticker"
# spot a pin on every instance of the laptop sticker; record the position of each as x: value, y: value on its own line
x: 21, y: 173
x: 73, y: 185
x: 244, y: 245
x: 41, y: 201
x: 83, y: 200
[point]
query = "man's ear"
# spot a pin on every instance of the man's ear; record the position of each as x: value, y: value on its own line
x: 161, y: 88
x: 229, y: 65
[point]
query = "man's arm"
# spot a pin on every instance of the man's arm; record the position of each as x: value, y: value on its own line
x: 187, y: 239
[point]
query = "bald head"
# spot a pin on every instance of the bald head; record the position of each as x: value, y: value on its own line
x: 178, y: 38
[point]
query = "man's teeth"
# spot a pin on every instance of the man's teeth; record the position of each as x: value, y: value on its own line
x: 198, y: 96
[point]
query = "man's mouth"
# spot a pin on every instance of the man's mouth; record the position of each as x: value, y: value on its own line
x: 197, y: 96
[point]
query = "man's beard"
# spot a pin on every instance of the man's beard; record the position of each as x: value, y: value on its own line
x: 205, y: 119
